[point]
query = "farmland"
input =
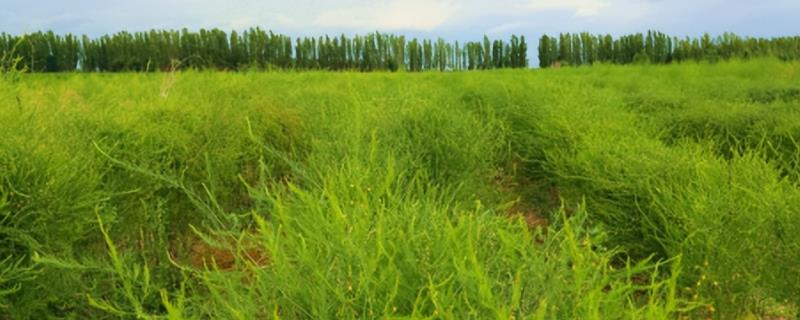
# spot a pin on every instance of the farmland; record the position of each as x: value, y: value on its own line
x: 603, y: 192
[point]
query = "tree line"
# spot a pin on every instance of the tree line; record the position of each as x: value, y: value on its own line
x: 256, y: 48
x: 655, y: 47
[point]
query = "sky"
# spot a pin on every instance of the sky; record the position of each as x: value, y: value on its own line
x: 450, y: 19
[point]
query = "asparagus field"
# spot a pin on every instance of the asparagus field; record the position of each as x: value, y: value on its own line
x: 603, y: 192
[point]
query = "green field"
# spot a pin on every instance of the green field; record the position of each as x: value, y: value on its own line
x: 606, y: 192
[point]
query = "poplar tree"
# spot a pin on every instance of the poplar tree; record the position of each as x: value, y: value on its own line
x: 545, y: 55
x: 565, y: 48
x: 255, y: 48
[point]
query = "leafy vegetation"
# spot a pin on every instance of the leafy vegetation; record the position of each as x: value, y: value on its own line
x: 658, y: 48
x: 642, y: 192
x: 257, y: 49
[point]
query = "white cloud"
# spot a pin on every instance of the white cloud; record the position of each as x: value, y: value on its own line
x: 239, y: 23
x: 425, y: 15
x: 451, y: 19
x: 582, y: 8
x: 265, y: 19
x: 505, y: 27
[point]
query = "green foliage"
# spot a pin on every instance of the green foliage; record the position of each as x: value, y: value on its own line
x: 658, y: 48
x: 255, y: 48
x: 11, y: 65
x: 641, y: 192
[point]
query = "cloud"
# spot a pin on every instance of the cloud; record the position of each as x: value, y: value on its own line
x: 423, y: 15
x: 505, y: 27
x: 264, y: 19
x: 451, y: 19
x: 239, y: 23
x: 582, y: 8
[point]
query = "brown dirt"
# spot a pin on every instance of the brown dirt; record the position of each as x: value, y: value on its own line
x: 224, y: 255
x: 529, y: 208
x: 530, y: 214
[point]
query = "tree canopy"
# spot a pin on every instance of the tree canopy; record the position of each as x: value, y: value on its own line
x: 256, y: 49
x: 658, y: 48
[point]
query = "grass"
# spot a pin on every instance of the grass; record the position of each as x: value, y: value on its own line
x: 638, y: 192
